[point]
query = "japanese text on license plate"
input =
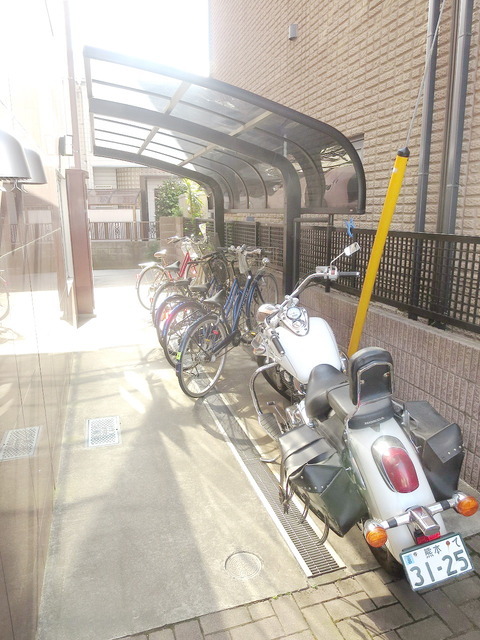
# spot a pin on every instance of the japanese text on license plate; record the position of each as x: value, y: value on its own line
x: 435, y: 562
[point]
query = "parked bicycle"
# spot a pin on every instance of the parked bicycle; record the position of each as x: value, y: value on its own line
x: 153, y: 274
x: 212, y: 273
x: 204, y: 344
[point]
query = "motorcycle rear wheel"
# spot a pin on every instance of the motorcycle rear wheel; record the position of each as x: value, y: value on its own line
x: 387, y: 561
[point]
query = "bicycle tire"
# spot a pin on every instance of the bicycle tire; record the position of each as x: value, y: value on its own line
x: 149, y: 279
x: 197, y: 371
x: 163, y: 311
x: 4, y: 301
x: 165, y: 290
x: 264, y: 289
x: 181, y: 318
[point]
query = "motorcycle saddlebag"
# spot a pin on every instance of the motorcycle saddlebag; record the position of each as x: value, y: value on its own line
x: 441, y: 447
x: 312, y: 469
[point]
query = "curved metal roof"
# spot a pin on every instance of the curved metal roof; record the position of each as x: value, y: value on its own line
x: 254, y: 154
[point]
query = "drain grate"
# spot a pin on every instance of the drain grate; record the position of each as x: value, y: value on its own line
x: 19, y: 443
x: 316, y: 558
x: 103, y: 432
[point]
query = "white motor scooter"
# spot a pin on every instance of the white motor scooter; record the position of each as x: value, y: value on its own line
x: 352, y: 453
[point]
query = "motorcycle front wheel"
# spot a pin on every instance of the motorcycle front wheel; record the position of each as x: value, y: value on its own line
x: 274, y: 378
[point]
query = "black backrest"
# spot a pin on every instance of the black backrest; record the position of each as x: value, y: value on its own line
x: 370, y: 374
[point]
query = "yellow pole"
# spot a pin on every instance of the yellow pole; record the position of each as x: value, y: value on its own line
x: 389, y: 205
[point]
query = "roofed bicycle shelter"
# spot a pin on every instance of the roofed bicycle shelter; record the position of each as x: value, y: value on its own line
x: 251, y: 154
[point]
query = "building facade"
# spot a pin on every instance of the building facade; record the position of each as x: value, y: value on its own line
x: 359, y: 67
x: 36, y: 328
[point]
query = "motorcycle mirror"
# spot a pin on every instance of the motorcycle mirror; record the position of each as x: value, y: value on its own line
x: 353, y: 248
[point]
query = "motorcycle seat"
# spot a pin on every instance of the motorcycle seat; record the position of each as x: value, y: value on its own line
x: 340, y: 402
x: 324, y: 378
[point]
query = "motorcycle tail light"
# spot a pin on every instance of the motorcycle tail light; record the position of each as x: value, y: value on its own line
x: 466, y: 506
x: 421, y: 539
x: 395, y: 464
x: 376, y: 536
x: 400, y: 470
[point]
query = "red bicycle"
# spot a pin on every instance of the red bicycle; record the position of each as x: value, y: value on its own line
x: 154, y: 274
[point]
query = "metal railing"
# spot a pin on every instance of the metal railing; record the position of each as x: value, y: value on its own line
x: 123, y: 231
x: 258, y: 234
x: 431, y: 276
x: 32, y: 232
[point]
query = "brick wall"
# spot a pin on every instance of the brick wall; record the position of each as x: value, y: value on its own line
x: 358, y: 67
x: 440, y: 367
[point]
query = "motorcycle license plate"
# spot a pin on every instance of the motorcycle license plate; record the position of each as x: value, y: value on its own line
x: 436, y: 561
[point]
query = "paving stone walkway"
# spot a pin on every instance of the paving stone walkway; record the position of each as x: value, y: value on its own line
x: 368, y: 605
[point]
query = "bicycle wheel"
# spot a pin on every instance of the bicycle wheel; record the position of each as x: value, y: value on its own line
x: 163, y: 292
x: 148, y: 282
x: 198, y: 368
x: 163, y: 312
x: 180, y: 319
x: 4, y: 301
x: 264, y: 289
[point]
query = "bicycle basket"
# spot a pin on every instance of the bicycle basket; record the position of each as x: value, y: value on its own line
x: 219, y: 270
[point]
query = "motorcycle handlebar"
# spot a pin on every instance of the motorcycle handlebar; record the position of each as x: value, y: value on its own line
x: 319, y: 275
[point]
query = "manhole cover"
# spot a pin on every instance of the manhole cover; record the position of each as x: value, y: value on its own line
x: 243, y: 565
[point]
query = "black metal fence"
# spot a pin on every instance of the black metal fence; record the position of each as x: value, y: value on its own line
x: 432, y: 276
x: 258, y: 234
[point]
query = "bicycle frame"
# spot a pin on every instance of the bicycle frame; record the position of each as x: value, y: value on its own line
x: 235, y: 301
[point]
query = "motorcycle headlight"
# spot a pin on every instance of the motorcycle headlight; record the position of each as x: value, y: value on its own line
x: 265, y: 310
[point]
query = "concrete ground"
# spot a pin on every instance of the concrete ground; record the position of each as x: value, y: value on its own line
x: 162, y: 536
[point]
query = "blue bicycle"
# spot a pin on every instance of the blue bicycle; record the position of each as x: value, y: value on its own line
x: 229, y: 321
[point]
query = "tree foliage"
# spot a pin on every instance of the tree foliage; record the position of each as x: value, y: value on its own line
x: 167, y: 198
x: 193, y: 196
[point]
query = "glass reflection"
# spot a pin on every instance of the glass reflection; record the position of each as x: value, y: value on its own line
x: 35, y: 362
